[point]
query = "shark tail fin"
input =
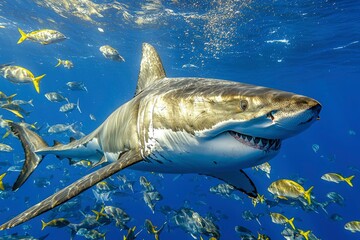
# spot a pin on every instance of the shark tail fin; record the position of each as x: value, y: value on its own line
x: 36, y: 82
x: 1, y: 182
x: 59, y: 62
x: 126, y: 159
x: 43, y: 225
x: 30, y: 142
x: 348, y: 180
x: 23, y: 36
x: 291, y: 222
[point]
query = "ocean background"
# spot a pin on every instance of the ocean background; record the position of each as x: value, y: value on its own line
x: 308, y: 47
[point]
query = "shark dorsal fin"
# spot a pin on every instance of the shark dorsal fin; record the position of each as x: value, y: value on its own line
x: 151, y: 68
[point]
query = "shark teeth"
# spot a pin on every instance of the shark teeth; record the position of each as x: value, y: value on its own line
x: 257, y: 142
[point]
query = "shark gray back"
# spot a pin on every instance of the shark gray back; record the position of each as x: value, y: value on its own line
x: 177, y: 125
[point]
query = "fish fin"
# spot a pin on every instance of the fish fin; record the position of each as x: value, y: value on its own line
x: 17, y: 113
x: 2, y: 188
x: 78, y: 106
x: 57, y: 143
x: 126, y: 159
x: 9, y: 99
x: 36, y: 82
x: 307, y: 194
x: 43, y: 225
x: 282, y: 197
x: 23, y: 36
x: 59, y: 62
x: 151, y: 68
x: 348, y: 180
x: 30, y: 142
x: 239, y: 180
x: 304, y: 234
x: 291, y: 222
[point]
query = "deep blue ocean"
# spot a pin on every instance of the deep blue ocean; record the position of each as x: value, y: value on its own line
x: 308, y: 47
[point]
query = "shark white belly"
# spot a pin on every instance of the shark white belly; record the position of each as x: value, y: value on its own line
x: 196, y: 155
x: 177, y: 125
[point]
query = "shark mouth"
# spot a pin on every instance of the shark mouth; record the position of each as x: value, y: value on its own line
x: 257, y: 142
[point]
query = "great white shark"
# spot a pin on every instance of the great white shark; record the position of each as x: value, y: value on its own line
x: 177, y: 125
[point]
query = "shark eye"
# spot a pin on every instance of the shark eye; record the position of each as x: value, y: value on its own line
x: 244, y: 104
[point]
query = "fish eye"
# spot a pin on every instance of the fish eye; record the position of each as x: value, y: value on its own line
x: 244, y: 104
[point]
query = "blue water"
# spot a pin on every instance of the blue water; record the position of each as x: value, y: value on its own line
x: 308, y: 47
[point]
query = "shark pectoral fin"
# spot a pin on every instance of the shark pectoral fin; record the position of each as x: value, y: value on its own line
x: 239, y: 180
x: 127, y: 159
x: 30, y: 142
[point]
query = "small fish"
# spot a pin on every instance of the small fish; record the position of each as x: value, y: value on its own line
x: 14, y: 169
x: 55, y: 97
x: 281, y: 219
x: 43, y: 36
x: 68, y: 107
x: 16, y: 109
x: 315, y: 147
x: 336, y: 217
x: 20, y: 75
x: 90, y: 234
x: 336, y: 198
x: 59, y: 223
x: 241, y: 229
x: 265, y: 167
x: 189, y: 65
x: 151, y: 198
x: 5, y: 148
x: 111, y: 53
x: 60, y: 128
x: 131, y: 234
x: 2, y: 188
x: 353, y: 226
x: 22, y: 102
x: 120, y: 216
x: 76, y: 86
x: 151, y: 229
x: 82, y: 163
x: 92, y: 117
x: 336, y: 177
x: 66, y: 63
x: 146, y: 184
x: 262, y: 237
x: 284, y: 188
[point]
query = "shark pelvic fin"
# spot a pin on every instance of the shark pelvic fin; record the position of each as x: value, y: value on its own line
x: 30, y: 142
x: 239, y: 180
x: 151, y: 68
x: 127, y: 159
